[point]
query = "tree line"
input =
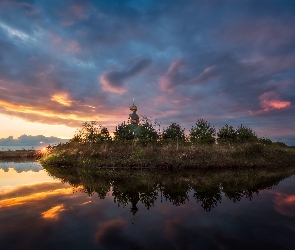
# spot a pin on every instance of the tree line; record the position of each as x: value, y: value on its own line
x: 147, y: 131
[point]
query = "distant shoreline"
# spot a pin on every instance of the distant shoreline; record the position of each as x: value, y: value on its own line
x: 19, y: 154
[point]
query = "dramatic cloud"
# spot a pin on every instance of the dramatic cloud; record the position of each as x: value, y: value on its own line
x: 114, y: 81
x: 173, y: 77
x: 65, y: 62
x: 270, y: 100
x: 53, y: 212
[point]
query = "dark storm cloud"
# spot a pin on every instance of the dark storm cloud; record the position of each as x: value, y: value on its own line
x: 209, y: 59
x: 114, y: 81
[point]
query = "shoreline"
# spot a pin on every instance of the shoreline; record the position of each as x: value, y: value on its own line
x: 168, y: 156
x: 153, y: 157
x: 19, y: 154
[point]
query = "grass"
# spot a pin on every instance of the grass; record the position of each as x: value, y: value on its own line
x: 168, y: 155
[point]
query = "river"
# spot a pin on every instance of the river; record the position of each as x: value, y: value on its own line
x: 49, y: 209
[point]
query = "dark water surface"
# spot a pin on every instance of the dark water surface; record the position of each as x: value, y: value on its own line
x: 78, y: 209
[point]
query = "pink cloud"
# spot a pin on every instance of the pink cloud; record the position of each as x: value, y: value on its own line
x: 73, y: 47
x: 55, y: 39
x: 172, y: 77
x: 79, y: 12
x: 105, y: 227
x: 285, y: 204
x: 270, y: 100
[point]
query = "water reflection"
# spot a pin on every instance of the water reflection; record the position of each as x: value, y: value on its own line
x: 208, y: 188
x: 157, y: 210
x: 21, y: 166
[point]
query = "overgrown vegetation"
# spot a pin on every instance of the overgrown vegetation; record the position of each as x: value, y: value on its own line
x: 146, y: 146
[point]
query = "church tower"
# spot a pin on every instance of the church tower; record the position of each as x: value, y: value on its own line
x: 133, y: 118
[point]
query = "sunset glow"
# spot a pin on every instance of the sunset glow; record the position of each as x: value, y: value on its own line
x: 53, y: 212
x: 62, y: 99
x: 228, y: 63
x: 33, y: 197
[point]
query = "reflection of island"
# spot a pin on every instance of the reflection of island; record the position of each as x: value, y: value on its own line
x: 207, y: 188
x: 21, y: 166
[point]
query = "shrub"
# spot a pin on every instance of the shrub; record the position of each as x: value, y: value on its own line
x: 202, y: 133
x: 245, y: 134
x: 146, y: 131
x: 174, y: 132
x: 125, y: 132
x: 226, y: 134
x: 91, y: 132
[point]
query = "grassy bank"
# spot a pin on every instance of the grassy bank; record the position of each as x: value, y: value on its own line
x: 168, y: 155
x: 18, y: 155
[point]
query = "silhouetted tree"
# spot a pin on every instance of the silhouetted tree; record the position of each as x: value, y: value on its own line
x: 125, y: 132
x: 245, y: 134
x: 146, y: 131
x: 174, y: 132
x: 91, y: 132
x: 226, y: 134
x: 202, y: 133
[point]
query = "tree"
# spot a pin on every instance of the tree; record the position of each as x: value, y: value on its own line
x: 125, y: 132
x: 104, y: 135
x: 245, y: 134
x: 147, y: 131
x: 202, y: 133
x: 226, y: 134
x: 91, y: 132
x: 174, y: 132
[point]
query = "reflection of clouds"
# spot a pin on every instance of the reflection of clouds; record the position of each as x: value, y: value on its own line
x: 76, y: 221
x: 24, y: 190
x: 20, y: 167
x: 111, y: 235
x: 34, y: 197
x: 116, y: 224
x: 53, y: 212
x: 284, y: 204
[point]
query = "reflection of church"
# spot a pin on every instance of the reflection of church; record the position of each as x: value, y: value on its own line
x: 134, y: 198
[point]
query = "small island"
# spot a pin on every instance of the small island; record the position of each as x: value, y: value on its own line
x: 141, y: 144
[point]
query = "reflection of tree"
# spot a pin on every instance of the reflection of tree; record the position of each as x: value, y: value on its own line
x: 88, y: 190
x: 133, y: 192
x: 149, y: 198
x: 102, y: 192
x: 208, y: 197
x: 246, y: 184
x: 120, y: 198
x: 176, y: 192
x: 131, y: 187
x: 234, y: 195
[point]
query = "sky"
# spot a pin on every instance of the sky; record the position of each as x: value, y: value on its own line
x: 66, y: 62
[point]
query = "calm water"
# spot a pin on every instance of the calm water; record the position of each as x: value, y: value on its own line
x: 193, y: 210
